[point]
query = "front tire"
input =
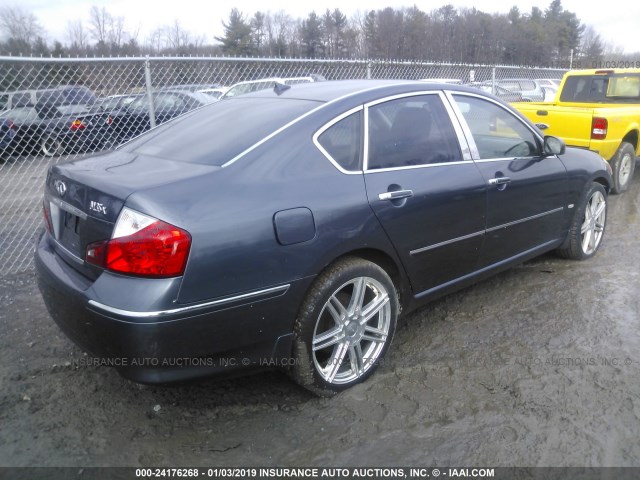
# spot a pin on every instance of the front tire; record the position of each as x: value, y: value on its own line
x: 587, y: 226
x: 623, y: 165
x: 345, y: 326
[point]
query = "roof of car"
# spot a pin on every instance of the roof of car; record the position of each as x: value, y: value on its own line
x: 330, y: 90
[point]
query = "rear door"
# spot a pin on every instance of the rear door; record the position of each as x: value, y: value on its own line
x: 526, y: 191
x: 424, y: 187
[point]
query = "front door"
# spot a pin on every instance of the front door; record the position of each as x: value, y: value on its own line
x: 526, y: 193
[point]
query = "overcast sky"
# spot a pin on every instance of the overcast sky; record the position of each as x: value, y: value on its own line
x: 617, y: 21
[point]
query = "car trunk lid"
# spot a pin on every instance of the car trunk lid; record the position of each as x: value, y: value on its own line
x: 83, y: 199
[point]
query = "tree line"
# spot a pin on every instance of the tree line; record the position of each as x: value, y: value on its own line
x: 550, y: 37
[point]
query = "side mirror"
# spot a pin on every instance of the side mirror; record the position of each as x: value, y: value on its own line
x: 553, y: 146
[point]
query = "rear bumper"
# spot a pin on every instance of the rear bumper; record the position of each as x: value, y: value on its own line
x: 161, y: 345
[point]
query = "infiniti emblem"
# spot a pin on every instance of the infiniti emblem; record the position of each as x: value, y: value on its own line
x: 60, y: 187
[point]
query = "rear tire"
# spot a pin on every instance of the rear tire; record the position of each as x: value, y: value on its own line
x: 345, y: 326
x: 587, y: 226
x: 51, y: 146
x: 623, y: 165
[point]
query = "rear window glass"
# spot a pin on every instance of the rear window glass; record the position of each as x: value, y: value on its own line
x: 215, y: 134
x: 602, y: 89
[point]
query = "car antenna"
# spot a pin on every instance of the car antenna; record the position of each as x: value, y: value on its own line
x: 279, y: 88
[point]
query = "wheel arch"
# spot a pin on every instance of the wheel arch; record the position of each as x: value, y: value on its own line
x: 389, y: 265
x: 632, y: 138
x: 604, y: 182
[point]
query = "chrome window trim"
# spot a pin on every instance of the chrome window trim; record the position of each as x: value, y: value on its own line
x: 414, y: 167
x: 462, y: 143
x: 274, y: 291
x: 467, y: 131
x: 324, y: 128
x: 300, y: 118
x: 510, y: 159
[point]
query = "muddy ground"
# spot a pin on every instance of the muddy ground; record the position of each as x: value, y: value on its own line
x: 537, y: 366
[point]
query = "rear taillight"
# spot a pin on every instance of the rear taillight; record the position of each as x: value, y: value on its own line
x: 11, y: 125
x: 599, y: 128
x: 143, y: 246
x: 109, y: 120
x: 77, y: 125
x: 47, y: 218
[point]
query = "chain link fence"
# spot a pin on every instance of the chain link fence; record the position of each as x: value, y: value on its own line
x: 58, y: 110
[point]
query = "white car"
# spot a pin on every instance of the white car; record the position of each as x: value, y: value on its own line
x: 215, y: 93
x: 249, y: 86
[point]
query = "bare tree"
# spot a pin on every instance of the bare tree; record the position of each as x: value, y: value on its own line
x: 155, y: 41
x: 20, y: 25
x: 176, y: 36
x: 100, y: 21
x: 77, y: 35
x: 116, y: 32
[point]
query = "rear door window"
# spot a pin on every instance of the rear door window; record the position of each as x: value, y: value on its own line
x: 411, y: 131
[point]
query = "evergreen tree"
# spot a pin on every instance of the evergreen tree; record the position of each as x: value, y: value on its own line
x: 237, y: 38
x: 311, y: 36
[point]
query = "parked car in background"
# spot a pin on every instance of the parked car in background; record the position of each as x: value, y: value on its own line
x: 498, y: 91
x: 113, y: 102
x: 67, y: 95
x: 298, y: 236
x: 51, y: 130
x: 549, y: 82
x: 529, y: 89
x: 215, y: 93
x: 549, y: 93
x: 598, y: 110
x: 62, y: 95
x: 7, y: 137
x: 133, y: 119
x: 455, y: 81
x: 249, y: 86
x: 190, y: 87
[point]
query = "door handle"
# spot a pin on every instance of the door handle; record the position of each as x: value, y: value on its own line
x: 396, y: 195
x: 499, y: 181
x: 542, y: 126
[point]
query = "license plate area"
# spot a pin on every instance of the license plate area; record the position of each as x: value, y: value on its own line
x: 70, y: 232
x: 67, y: 224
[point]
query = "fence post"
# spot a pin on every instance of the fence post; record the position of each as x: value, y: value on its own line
x: 369, y: 70
x: 493, y: 80
x: 147, y: 78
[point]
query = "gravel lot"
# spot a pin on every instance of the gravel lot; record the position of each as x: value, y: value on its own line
x: 538, y: 366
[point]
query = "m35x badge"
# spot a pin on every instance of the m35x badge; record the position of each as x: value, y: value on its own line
x: 98, y: 207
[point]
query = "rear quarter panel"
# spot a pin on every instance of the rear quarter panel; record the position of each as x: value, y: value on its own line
x: 230, y: 215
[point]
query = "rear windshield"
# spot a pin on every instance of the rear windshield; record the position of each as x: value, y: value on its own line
x: 621, y: 88
x: 215, y: 134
